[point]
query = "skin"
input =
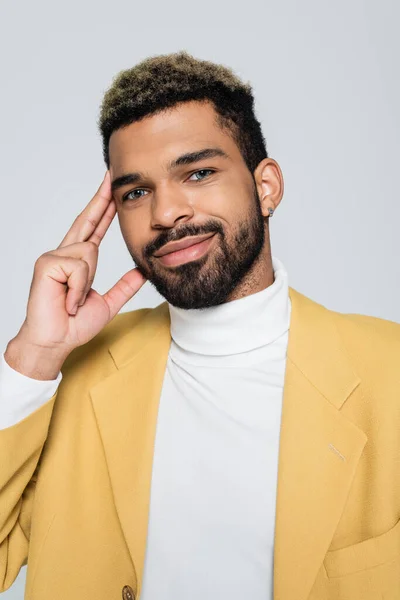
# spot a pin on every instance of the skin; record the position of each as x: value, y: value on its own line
x: 164, y: 206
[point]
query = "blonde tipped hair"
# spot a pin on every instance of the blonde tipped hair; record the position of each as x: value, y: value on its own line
x: 161, y: 82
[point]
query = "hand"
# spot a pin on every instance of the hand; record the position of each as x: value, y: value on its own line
x: 62, y: 280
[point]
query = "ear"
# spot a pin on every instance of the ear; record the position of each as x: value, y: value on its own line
x: 270, y: 187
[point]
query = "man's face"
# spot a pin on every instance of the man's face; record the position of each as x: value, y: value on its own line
x: 163, y: 203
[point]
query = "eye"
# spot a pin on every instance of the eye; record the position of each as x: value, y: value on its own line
x: 202, y: 171
x: 126, y: 197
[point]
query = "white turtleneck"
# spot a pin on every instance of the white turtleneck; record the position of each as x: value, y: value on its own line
x: 215, y: 467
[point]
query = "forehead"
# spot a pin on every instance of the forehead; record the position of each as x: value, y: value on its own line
x: 186, y: 126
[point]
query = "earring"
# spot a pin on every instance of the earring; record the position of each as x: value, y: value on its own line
x: 270, y: 210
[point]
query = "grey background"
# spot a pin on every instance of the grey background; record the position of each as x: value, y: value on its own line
x: 326, y: 79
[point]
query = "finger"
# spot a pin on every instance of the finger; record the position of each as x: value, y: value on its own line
x: 123, y: 290
x: 86, y: 251
x: 89, y: 219
x: 77, y: 281
x: 104, y: 224
x: 64, y: 270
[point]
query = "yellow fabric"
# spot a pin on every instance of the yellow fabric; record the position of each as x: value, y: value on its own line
x: 75, y: 475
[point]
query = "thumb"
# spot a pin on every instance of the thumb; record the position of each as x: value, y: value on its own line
x: 123, y: 290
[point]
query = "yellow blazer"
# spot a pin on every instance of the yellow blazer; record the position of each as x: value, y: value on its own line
x: 75, y: 475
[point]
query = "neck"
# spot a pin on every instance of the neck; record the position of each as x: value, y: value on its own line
x: 259, y: 277
x: 234, y: 327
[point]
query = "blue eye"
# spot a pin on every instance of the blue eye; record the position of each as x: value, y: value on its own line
x: 202, y: 171
x: 126, y: 197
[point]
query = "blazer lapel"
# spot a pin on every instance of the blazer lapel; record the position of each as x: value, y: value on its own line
x: 126, y: 407
x: 319, y: 447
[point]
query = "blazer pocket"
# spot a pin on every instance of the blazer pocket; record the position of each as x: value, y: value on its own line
x: 370, y: 553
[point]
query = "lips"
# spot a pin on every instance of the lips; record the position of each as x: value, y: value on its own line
x: 191, y: 253
x: 181, y: 244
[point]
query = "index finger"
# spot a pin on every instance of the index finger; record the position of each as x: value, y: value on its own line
x: 95, y: 217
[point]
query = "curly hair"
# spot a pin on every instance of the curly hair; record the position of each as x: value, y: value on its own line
x: 163, y: 81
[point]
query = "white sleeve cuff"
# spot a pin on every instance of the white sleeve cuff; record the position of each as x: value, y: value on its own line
x: 21, y: 395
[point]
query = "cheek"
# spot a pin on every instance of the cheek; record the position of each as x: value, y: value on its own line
x: 123, y: 227
x: 132, y: 235
x: 226, y: 200
x: 228, y: 211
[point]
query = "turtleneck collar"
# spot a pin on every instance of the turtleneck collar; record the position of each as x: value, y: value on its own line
x: 238, y: 326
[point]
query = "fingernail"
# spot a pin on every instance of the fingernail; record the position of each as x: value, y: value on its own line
x: 82, y: 302
x: 74, y: 309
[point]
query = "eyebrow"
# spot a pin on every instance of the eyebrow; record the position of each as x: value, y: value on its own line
x: 184, y: 159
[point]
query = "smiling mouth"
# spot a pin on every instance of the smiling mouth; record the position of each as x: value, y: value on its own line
x: 189, y: 254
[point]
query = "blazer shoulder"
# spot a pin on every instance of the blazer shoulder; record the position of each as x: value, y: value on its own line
x: 373, y: 343
x: 368, y: 327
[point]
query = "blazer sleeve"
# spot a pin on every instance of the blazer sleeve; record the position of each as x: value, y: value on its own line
x: 20, y: 449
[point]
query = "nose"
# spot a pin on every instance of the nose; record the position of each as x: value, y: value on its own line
x: 169, y: 206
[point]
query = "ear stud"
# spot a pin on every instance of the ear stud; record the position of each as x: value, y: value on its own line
x: 270, y: 210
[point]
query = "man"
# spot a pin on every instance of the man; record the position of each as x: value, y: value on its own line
x: 237, y: 441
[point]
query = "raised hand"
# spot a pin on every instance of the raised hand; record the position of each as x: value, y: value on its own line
x: 62, y: 282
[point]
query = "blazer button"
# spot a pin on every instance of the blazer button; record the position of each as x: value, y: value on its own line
x: 128, y: 593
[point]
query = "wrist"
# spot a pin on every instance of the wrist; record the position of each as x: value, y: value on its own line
x: 32, y: 361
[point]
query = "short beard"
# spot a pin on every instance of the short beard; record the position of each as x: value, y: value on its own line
x: 194, y: 285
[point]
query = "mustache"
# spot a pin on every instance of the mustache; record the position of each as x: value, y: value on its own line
x: 187, y: 231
